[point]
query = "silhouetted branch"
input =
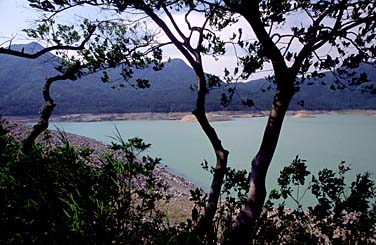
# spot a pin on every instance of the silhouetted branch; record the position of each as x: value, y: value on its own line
x: 45, y: 113
x: 49, y: 49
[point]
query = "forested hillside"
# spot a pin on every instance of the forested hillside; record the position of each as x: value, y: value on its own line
x: 171, y: 90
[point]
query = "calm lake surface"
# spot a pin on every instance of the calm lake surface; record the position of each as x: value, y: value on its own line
x: 324, y: 141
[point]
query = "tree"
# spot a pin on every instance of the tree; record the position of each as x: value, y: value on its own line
x: 109, y: 53
x: 346, y: 26
x: 194, y: 56
x: 69, y: 44
x: 298, y: 53
x: 99, y: 54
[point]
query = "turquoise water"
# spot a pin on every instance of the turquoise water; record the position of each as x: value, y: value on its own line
x: 324, y: 141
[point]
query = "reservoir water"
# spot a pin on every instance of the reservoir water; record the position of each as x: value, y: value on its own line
x: 324, y: 141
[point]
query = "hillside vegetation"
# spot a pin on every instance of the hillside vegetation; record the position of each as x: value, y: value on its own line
x: 171, y: 90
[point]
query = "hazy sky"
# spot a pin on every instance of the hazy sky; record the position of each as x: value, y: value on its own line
x: 16, y: 15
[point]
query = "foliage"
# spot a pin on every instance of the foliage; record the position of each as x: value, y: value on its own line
x: 59, y: 195
x: 233, y: 195
x: 109, y: 42
x: 338, y: 213
x: 304, y: 38
x: 329, y: 29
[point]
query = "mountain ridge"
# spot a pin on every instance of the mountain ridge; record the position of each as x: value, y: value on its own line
x: 170, y: 91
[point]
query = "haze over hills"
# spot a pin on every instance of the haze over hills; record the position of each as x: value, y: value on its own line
x: 21, y: 82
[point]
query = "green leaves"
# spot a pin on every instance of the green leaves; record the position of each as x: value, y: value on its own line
x: 274, y: 10
x: 340, y: 207
x: 99, y: 45
x: 328, y: 185
x: 362, y: 190
x: 295, y: 174
x: 142, y: 83
x: 62, y: 195
x: 213, y: 81
x: 253, y: 61
x: 224, y: 100
x: 248, y: 102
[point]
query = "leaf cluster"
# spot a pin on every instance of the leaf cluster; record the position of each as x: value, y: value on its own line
x: 59, y: 195
x: 342, y: 213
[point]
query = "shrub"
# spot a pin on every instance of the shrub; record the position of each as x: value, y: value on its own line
x: 57, y: 195
x: 339, y: 213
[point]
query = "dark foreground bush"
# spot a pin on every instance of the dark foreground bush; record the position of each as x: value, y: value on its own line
x: 341, y: 211
x: 58, y: 196
x: 338, y: 211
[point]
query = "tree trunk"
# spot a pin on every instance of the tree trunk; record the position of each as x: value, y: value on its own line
x: 194, y: 58
x: 243, y: 229
x: 39, y: 127
x: 205, y: 222
x: 45, y: 113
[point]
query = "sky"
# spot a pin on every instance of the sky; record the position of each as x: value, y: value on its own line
x: 16, y: 15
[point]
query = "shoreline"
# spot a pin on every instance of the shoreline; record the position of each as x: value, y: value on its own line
x: 178, y: 185
x: 184, y: 116
x: 179, y: 204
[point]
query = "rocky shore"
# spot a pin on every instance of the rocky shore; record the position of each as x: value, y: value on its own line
x: 178, y: 186
x: 185, y: 116
x: 177, y: 116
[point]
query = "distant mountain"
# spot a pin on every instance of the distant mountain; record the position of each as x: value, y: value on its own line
x: 30, y: 48
x: 21, y: 82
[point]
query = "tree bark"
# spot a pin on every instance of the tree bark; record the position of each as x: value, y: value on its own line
x: 45, y: 113
x: 49, y: 105
x: 243, y: 229
x: 205, y: 222
x: 194, y: 58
